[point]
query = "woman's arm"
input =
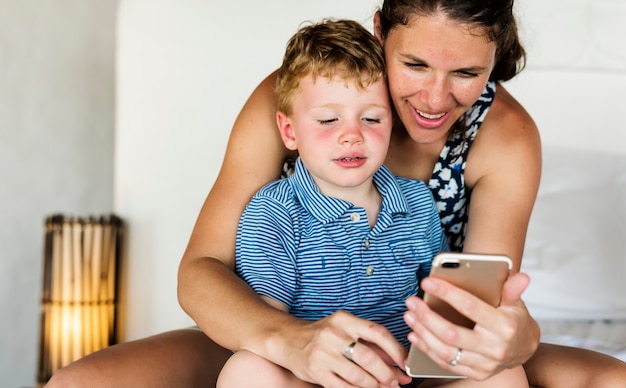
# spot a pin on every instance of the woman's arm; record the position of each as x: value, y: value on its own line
x: 503, y: 170
x: 229, y: 311
x: 206, y: 274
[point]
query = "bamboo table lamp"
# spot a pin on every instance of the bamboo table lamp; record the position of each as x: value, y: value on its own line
x: 79, y: 296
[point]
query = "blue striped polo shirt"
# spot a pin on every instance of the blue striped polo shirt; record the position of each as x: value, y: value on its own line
x: 317, y: 254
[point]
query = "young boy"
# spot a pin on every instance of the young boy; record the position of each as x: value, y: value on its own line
x: 341, y: 233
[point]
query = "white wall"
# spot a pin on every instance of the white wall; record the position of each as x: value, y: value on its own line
x: 56, y: 148
x: 573, y: 85
x: 185, y: 68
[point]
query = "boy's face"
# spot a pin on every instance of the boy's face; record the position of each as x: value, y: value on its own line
x: 341, y: 131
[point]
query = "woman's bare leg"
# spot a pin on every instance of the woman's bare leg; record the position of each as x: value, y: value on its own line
x: 181, y: 358
x: 564, y: 366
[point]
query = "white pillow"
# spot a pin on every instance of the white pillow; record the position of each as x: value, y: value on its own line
x: 576, y: 244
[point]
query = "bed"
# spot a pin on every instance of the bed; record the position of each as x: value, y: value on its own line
x: 576, y: 250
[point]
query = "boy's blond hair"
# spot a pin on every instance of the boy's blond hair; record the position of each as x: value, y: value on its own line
x: 329, y: 49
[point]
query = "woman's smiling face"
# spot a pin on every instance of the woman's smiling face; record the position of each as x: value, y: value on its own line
x: 437, y: 68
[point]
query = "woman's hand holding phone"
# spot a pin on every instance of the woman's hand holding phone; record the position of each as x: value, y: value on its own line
x: 503, y: 336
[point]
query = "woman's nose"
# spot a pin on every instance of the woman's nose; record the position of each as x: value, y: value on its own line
x: 436, y: 93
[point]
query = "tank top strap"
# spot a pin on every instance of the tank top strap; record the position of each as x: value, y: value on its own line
x: 448, y: 180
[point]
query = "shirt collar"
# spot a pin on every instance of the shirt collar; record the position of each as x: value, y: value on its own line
x: 327, y: 209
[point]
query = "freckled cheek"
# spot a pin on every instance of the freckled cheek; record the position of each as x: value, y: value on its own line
x: 466, y: 95
x: 401, y: 85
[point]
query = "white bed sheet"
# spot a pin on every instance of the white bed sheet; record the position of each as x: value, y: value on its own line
x: 607, y: 337
x: 575, y: 250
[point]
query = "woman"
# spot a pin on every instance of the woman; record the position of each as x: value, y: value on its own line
x: 445, y: 59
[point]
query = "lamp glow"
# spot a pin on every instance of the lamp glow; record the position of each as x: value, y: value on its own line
x: 79, y: 295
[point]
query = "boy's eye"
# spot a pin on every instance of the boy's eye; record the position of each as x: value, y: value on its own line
x: 371, y: 120
x: 328, y: 121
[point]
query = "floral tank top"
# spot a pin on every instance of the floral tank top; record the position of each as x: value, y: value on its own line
x: 448, y: 180
x: 447, y: 183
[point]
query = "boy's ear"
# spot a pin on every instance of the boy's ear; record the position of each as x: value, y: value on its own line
x: 377, y: 30
x: 286, y: 131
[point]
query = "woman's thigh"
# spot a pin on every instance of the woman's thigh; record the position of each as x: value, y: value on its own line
x: 180, y: 358
x: 564, y: 366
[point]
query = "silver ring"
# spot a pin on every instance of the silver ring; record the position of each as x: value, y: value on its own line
x: 457, y: 358
x: 349, y: 351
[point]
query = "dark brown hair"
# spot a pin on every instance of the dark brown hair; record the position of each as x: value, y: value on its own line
x: 494, y: 17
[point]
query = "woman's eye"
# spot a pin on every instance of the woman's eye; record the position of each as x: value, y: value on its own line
x: 413, y: 65
x: 467, y: 74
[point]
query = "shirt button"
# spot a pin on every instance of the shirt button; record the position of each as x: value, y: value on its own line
x: 367, y: 244
x: 369, y: 270
x: 354, y: 217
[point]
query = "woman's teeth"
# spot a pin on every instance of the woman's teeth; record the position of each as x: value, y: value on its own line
x: 430, y: 116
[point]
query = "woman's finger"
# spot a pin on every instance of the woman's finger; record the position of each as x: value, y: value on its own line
x: 469, y: 363
x: 372, y: 333
x: 441, y: 346
x: 362, y: 372
x: 462, y: 301
x: 513, y: 288
x: 367, y: 362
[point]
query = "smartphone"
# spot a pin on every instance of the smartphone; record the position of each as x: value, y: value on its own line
x: 482, y: 275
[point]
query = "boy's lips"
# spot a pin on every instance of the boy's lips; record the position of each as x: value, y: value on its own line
x: 350, y: 161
